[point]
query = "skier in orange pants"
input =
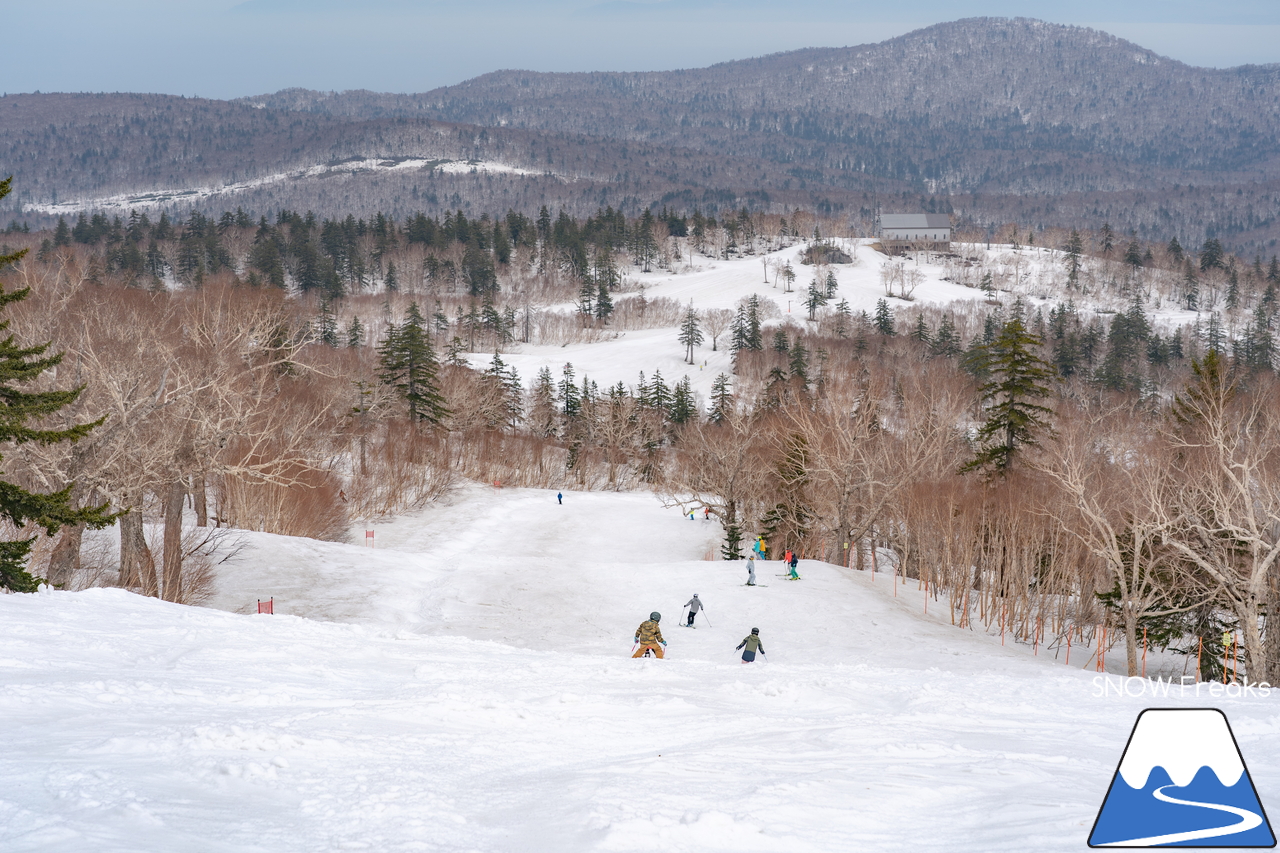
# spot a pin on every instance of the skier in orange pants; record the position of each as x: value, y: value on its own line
x: 649, y: 636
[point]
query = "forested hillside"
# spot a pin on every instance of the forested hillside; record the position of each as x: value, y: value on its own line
x: 998, y: 121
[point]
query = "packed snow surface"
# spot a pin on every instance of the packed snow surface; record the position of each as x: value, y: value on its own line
x: 466, y: 686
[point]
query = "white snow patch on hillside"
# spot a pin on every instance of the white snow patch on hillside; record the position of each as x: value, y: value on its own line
x: 466, y: 686
x: 707, y: 283
x: 166, y: 198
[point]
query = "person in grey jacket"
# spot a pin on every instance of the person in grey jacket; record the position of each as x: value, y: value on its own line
x: 694, y: 606
x: 752, y: 642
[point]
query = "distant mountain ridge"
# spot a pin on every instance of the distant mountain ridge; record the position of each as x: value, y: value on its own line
x: 916, y: 106
x: 1001, y: 120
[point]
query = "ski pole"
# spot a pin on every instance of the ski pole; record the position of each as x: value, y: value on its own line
x: 634, y: 647
x: 766, y: 657
x: 704, y: 617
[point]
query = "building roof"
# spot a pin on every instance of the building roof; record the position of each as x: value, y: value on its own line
x: 915, y: 220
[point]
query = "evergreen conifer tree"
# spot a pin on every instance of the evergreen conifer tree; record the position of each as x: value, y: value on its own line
x: 843, y: 318
x: 683, y: 406
x: 1074, y: 249
x: 1211, y: 254
x: 327, y: 325
x: 921, y: 332
x: 569, y: 396
x: 988, y: 285
x: 799, y: 362
x: 1106, y: 240
x: 542, y: 404
x: 815, y: 299
x: 1133, y: 254
x: 721, y: 399
x: 409, y: 366
x: 753, y: 335
x: 1016, y: 378
x: 18, y: 366
x: 659, y: 395
x: 946, y: 342
x: 690, y: 333
x: 884, y: 319
x: 830, y: 285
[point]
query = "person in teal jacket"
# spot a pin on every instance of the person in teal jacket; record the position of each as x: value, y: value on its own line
x: 752, y: 643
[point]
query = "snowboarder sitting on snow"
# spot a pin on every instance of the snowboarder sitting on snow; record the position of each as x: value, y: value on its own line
x: 649, y: 636
x: 694, y: 606
x: 752, y: 642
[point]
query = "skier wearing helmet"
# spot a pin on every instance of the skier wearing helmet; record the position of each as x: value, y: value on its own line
x: 752, y: 642
x: 694, y: 606
x: 649, y: 636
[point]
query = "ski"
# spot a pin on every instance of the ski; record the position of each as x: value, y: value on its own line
x: 765, y: 585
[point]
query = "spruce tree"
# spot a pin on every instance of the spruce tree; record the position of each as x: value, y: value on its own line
x: 721, y: 399
x: 946, y: 342
x: 1133, y: 254
x: 683, y: 406
x: 690, y: 333
x: 1016, y: 378
x: 409, y: 366
x: 18, y: 366
x: 843, y: 318
x: 799, y: 363
x: 570, y: 397
x: 327, y: 325
x: 542, y: 404
x: 1074, y: 249
x: 816, y: 298
x: 884, y: 319
x: 753, y: 336
x: 921, y: 331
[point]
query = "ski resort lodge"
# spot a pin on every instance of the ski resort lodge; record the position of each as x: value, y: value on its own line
x: 914, y: 232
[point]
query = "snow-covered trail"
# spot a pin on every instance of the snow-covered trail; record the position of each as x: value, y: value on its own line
x: 465, y: 687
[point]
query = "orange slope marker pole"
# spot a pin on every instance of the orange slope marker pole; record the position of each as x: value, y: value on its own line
x: 1144, y: 652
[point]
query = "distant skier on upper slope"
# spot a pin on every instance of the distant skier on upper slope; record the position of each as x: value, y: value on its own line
x: 694, y: 605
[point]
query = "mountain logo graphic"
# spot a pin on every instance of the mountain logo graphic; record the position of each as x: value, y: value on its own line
x: 1182, y: 783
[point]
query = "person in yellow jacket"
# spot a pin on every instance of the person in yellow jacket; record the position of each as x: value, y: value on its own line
x: 649, y: 636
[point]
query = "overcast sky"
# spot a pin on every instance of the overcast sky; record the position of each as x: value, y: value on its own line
x: 228, y: 48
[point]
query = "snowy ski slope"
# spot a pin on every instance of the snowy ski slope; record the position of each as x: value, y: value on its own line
x: 465, y: 686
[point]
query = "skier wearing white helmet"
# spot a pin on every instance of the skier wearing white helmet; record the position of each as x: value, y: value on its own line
x: 694, y: 606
